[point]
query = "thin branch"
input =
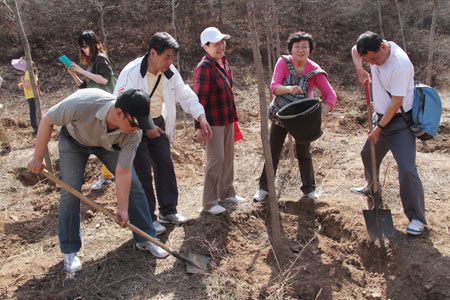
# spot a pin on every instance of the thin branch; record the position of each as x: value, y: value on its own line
x: 431, y: 41
x: 10, y: 13
x: 402, y: 32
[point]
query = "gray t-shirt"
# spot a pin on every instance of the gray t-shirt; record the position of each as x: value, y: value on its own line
x: 84, y: 114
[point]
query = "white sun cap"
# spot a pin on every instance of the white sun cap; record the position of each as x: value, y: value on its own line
x: 212, y: 35
x: 19, y: 64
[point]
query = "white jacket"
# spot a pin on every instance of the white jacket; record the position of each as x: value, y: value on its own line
x: 134, y: 75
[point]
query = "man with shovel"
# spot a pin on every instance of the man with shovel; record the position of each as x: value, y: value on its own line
x: 94, y: 122
x: 392, y: 76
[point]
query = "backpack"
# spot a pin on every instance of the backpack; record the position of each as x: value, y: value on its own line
x: 426, y: 112
x: 280, y: 101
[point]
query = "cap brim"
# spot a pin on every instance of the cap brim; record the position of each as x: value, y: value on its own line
x: 218, y: 39
x: 19, y: 64
x: 145, y: 123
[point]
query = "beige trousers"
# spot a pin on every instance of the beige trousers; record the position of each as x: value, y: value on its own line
x: 219, y: 169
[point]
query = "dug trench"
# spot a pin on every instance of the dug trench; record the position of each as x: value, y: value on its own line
x: 324, y: 254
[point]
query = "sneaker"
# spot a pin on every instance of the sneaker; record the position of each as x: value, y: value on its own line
x: 102, y: 182
x: 158, y: 228
x: 157, y: 251
x: 260, y: 195
x: 235, y: 199
x: 72, y: 263
x: 176, y: 219
x: 312, y: 195
x: 365, y: 190
x: 415, y: 227
x: 216, y: 210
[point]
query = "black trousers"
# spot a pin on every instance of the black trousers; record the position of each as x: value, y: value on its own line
x: 277, y: 136
x: 33, y: 119
x: 153, y: 156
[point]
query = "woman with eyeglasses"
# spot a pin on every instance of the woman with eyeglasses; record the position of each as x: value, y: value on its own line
x: 294, y: 78
x: 98, y: 74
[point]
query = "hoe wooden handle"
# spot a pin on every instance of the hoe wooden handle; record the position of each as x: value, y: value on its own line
x: 133, y: 228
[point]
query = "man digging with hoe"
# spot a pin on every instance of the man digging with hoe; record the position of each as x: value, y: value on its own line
x: 94, y: 122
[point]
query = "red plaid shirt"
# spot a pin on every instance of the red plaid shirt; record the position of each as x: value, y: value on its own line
x: 214, y: 92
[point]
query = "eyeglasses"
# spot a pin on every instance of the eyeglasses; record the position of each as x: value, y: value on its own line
x: 132, y: 120
x: 297, y: 47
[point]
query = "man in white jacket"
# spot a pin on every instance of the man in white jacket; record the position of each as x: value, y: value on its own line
x: 155, y: 74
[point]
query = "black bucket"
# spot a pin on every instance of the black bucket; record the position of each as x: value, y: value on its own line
x: 302, y: 119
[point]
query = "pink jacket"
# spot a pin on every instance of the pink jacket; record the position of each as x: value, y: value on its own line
x: 319, y: 81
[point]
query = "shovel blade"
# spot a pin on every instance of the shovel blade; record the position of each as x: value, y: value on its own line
x: 379, y: 223
x: 200, y: 260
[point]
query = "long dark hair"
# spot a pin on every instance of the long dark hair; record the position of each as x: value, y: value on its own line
x: 89, y: 38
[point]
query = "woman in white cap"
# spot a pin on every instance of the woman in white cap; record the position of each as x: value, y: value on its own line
x: 25, y: 85
x: 213, y: 83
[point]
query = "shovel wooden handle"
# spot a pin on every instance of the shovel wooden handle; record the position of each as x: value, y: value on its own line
x: 375, y: 183
x: 133, y: 228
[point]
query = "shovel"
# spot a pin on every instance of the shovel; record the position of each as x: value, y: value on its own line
x: 378, y: 221
x: 195, y: 264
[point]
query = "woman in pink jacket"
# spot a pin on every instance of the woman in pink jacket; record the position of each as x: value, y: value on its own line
x: 295, y: 77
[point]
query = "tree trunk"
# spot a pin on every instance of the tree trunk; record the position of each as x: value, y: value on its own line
x: 102, y: 27
x: 277, y: 43
x: 380, y: 18
x: 173, y: 4
x: 274, y: 213
x: 291, y: 150
x: 276, y: 31
x: 431, y: 42
x: 269, y: 43
x: 26, y: 47
x: 402, y: 32
x: 220, y: 4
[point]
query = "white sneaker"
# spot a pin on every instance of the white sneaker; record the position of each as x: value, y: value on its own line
x: 260, y: 195
x: 235, y: 199
x: 415, y: 227
x: 216, y: 210
x: 158, y: 228
x: 153, y: 249
x: 176, y: 219
x: 101, y: 182
x: 72, y: 263
x: 312, y: 195
x: 365, y: 190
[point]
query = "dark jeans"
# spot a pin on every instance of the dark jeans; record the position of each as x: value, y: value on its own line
x: 32, y: 108
x: 303, y: 152
x: 154, y: 155
x: 72, y: 160
x: 400, y: 140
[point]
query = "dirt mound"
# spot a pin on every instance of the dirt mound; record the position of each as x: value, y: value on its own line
x: 27, y: 178
x: 440, y: 143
